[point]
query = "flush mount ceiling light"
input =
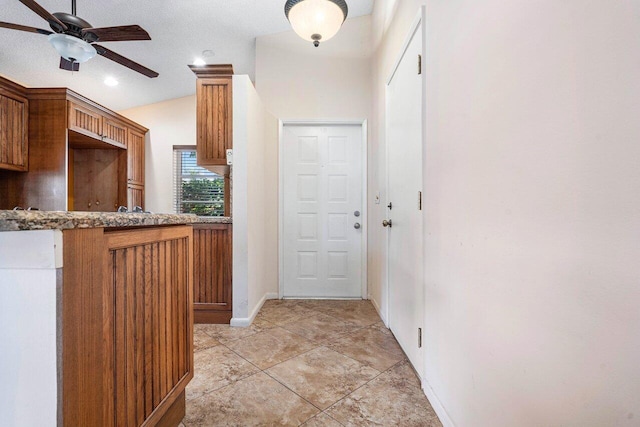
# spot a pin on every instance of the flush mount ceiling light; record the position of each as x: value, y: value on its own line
x: 316, y: 20
x: 72, y: 48
x: 110, y: 81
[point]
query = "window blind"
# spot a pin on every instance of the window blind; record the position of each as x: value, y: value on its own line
x: 196, y: 189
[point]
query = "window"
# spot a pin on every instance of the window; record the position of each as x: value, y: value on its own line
x: 196, y: 189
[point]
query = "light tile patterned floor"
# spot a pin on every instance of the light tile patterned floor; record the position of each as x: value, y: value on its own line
x: 305, y: 362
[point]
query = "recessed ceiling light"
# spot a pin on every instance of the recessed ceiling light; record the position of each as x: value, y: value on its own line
x: 110, y: 81
x: 199, y: 61
x: 208, y: 53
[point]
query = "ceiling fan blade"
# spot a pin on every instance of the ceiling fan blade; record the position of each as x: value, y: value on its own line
x: 109, y: 54
x: 65, y: 64
x: 31, y: 4
x: 24, y: 28
x: 117, y: 34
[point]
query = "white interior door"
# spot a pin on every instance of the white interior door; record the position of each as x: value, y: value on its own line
x: 404, y: 153
x: 323, y: 222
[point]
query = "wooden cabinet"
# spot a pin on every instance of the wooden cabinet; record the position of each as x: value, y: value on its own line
x: 135, y: 155
x: 114, y: 131
x: 96, y: 179
x: 212, y: 249
x: 79, y: 157
x: 127, y: 326
x: 135, y: 169
x: 93, y: 123
x: 14, y: 116
x: 85, y: 120
x: 214, y: 113
x: 135, y: 196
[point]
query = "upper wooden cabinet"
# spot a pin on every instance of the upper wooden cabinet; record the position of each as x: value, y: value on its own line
x: 92, y: 122
x: 79, y: 155
x: 85, y: 120
x: 135, y: 169
x: 114, y: 131
x: 135, y: 155
x: 14, y: 118
x: 214, y: 115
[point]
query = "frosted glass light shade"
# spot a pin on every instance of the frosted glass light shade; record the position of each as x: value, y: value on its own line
x: 316, y: 20
x: 72, y: 48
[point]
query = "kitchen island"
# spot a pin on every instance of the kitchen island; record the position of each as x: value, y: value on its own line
x: 97, y: 315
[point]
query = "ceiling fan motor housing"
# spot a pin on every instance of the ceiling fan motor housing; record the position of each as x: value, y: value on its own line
x: 74, y: 24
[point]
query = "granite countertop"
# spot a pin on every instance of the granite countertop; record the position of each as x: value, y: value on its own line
x: 215, y: 220
x: 61, y: 220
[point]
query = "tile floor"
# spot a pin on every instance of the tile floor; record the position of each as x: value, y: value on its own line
x: 305, y: 362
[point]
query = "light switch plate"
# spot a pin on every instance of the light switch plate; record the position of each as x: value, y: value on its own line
x: 229, y: 156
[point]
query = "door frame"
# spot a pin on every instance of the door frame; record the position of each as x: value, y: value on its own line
x: 413, y: 32
x: 365, y: 215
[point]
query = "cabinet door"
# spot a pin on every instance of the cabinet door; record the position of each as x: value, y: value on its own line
x: 149, y: 281
x: 14, y: 149
x: 135, y: 156
x: 85, y: 120
x: 214, y: 120
x: 135, y: 196
x: 212, y: 272
x: 115, y: 132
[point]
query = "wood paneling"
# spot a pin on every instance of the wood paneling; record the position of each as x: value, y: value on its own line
x: 212, y: 248
x: 127, y: 326
x: 214, y: 120
x: 87, y: 328
x: 152, y: 283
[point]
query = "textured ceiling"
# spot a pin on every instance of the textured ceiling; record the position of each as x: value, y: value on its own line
x: 180, y: 31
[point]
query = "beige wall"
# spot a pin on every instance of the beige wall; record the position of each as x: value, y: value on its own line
x: 533, y: 217
x: 170, y: 123
x: 255, y: 203
x: 297, y: 81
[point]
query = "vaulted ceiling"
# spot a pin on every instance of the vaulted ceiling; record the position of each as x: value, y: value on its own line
x: 180, y: 31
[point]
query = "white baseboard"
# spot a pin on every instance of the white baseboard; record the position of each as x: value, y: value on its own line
x: 437, y: 405
x: 243, y: 322
x: 377, y: 307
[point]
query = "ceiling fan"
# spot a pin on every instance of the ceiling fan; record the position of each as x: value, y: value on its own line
x: 74, y: 38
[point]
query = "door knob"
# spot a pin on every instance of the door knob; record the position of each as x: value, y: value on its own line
x: 356, y: 225
x: 386, y: 223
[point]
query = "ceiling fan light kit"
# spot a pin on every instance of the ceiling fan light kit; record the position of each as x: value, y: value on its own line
x: 72, y: 37
x: 316, y: 20
x: 72, y: 48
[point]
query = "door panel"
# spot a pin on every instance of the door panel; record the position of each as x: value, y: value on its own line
x: 322, y: 168
x: 404, y: 140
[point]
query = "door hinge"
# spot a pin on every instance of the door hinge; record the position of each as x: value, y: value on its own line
x: 419, y: 337
x: 419, y: 64
x: 419, y: 200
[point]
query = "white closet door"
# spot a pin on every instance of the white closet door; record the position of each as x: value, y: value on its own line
x: 404, y: 141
